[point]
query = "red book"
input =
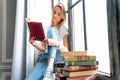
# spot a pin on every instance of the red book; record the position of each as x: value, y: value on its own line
x: 36, y: 30
x: 80, y: 68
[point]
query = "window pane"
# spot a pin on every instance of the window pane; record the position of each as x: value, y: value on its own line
x: 78, y: 27
x: 97, y: 32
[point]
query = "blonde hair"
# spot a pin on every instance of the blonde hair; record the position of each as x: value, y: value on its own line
x: 62, y: 21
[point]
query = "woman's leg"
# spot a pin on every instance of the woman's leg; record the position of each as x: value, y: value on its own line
x: 52, y: 34
x: 37, y: 72
x: 39, y: 69
x: 51, y: 55
x: 51, y: 49
x: 58, y: 59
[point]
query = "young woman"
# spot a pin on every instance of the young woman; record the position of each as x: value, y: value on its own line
x: 57, y: 41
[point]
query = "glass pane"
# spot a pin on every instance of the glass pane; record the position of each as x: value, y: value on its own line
x: 97, y: 32
x: 78, y: 27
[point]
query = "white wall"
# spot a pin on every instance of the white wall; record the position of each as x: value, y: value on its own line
x: 7, y: 25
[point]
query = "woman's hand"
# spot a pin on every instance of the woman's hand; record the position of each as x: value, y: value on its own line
x: 52, y: 42
x: 40, y: 46
x: 32, y: 40
x: 27, y: 19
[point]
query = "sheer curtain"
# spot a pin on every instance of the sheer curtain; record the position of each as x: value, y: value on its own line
x: 37, y: 10
x: 23, y: 53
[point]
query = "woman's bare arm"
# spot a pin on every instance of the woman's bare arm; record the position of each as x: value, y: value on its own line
x: 41, y: 46
x: 65, y: 47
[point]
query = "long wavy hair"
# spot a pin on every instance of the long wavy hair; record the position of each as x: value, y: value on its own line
x: 62, y: 21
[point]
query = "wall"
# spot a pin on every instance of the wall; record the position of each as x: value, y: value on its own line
x: 7, y: 24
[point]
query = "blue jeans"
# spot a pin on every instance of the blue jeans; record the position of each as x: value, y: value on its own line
x: 39, y: 69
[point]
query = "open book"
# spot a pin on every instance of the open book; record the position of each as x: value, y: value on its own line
x: 36, y: 30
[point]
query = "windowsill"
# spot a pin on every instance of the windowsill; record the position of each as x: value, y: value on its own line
x: 102, y: 76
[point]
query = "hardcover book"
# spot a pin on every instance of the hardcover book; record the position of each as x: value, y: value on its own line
x: 78, y: 73
x: 80, y: 68
x: 36, y: 30
x: 76, y: 58
x: 81, y: 63
x: 87, y: 77
x: 73, y: 53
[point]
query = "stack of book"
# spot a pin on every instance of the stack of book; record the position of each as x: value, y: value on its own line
x: 77, y: 66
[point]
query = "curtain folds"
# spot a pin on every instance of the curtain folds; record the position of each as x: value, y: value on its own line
x: 19, y: 50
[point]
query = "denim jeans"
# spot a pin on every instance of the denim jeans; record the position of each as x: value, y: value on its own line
x: 39, y: 69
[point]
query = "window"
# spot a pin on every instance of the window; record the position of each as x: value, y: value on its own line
x: 96, y: 26
x: 96, y: 31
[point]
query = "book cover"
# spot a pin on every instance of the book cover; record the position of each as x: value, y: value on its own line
x: 81, y: 63
x: 36, y: 30
x: 87, y: 77
x: 76, y: 58
x: 73, y: 53
x: 78, y: 73
x: 80, y: 68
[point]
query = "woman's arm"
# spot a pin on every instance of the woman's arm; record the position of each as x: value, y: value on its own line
x: 64, y: 47
x: 41, y: 46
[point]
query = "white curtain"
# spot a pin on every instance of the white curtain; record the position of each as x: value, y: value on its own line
x: 19, y: 50
x: 37, y: 10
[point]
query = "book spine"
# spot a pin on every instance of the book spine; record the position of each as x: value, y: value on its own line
x: 88, y: 77
x: 80, y: 68
x: 78, y: 73
x: 76, y: 53
x: 81, y: 63
x: 76, y: 58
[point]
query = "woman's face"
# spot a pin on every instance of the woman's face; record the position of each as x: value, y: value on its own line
x: 57, y: 15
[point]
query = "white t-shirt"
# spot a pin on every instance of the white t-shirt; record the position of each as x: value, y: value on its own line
x: 60, y: 33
